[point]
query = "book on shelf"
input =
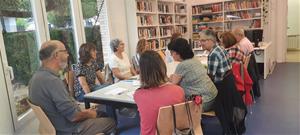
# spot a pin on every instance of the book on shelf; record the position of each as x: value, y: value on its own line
x: 166, y: 31
x: 144, y: 6
x: 147, y: 33
x: 165, y: 19
x: 144, y: 20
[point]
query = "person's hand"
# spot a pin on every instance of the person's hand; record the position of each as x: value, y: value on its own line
x: 91, y: 113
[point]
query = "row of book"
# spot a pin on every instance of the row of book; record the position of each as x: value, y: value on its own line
x: 164, y: 8
x: 147, y: 33
x: 242, y: 5
x: 145, y: 6
x: 163, y: 43
x: 166, y: 31
x: 165, y: 19
x: 181, y: 29
x: 144, y: 20
x: 180, y: 9
x: 207, y: 8
x: 212, y: 18
x: 180, y: 19
x: 241, y: 15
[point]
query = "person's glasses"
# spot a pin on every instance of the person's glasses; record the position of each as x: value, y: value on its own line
x: 64, y: 51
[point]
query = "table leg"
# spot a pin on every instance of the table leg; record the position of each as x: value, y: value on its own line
x: 87, y: 104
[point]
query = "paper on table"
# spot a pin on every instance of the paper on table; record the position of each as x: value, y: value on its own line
x: 130, y: 94
x: 116, y: 91
x: 136, y: 83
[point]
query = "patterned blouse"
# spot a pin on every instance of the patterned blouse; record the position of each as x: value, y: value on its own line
x: 217, y: 63
x: 235, y: 54
x: 89, y: 72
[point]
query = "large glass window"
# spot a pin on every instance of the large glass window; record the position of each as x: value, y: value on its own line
x: 21, y: 48
x: 96, y: 27
x: 60, y: 24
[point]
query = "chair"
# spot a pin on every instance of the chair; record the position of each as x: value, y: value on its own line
x: 246, y: 60
x: 45, y: 127
x: 108, y: 75
x: 165, y: 124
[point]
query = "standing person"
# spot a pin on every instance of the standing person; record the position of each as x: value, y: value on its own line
x: 88, y: 76
x: 141, y: 47
x: 47, y: 90
x: 155, y: 92
x: 235, y: 54
x: 119, y: 62
x: 217, y: 62
x: 191, y: 75
x: 244, y: 43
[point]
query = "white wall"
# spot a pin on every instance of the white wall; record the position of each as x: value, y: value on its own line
x: 293, y: 17
x: 5, y: 113
x: 117, y: 21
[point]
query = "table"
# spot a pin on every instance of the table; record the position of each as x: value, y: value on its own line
x: 263, y: 54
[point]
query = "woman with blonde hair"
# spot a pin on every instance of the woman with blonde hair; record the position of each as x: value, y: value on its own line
x: 141, y: 47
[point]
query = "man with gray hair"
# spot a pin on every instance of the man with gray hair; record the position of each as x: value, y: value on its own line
x: 48, y: 91
x: 244, y: 43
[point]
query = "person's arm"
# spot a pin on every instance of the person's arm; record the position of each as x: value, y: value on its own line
x: 84, y: 114
x: 175, y: 78
x: 212, y: 65
x: 100, y: 77
x: 84, y: 85
x: 117, y: 74
x: 133, y: 72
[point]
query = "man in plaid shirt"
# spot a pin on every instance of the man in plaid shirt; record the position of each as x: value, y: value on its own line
x: 217, y: 63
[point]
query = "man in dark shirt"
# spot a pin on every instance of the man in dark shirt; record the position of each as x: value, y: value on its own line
x: 47, y: 90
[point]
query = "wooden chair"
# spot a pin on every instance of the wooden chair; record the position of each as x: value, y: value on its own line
x: 45, y: 127
x: 246, y: 61
x: 165, y: 124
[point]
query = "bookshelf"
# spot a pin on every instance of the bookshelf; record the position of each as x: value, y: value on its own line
x: 155, y: 21
x: 225, y: 16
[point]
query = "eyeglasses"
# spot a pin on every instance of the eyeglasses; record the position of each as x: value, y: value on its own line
x: 203, y: 40
x: 64, y: 51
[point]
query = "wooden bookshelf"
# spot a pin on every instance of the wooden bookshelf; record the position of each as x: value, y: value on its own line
x: 156, y: 21
x: 225, y: 16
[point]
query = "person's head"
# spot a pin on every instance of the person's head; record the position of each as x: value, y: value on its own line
x: 53, y: 54
x: 175, y: 36
x: 87, y: 52
x: 180, y: 49
x: 228, y: 40
x: 239, y: 34
x: 117, y: 45
x: 153, y: 70
x: 142, y: 46
x: 207, y: 39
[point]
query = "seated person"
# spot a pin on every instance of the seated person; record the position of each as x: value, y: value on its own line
x: 191, y: 75
x: 119, y: 62
x: 217, y: 62
x: 141, y: 47
x: 154, y: 92
x: 234, y: 53
x: 48, y: 91
x: 87, y: 72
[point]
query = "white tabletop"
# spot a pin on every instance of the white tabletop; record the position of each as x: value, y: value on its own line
x: 123, y: 91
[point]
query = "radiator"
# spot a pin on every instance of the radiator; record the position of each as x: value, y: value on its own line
x: 293, y: 42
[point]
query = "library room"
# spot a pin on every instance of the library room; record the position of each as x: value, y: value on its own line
x: 150, y: 67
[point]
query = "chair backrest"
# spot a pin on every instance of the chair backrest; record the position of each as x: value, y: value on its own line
x: 165, y: 124
x: 246, y: 61
x: 45, y: 127
x: 108, y: 75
